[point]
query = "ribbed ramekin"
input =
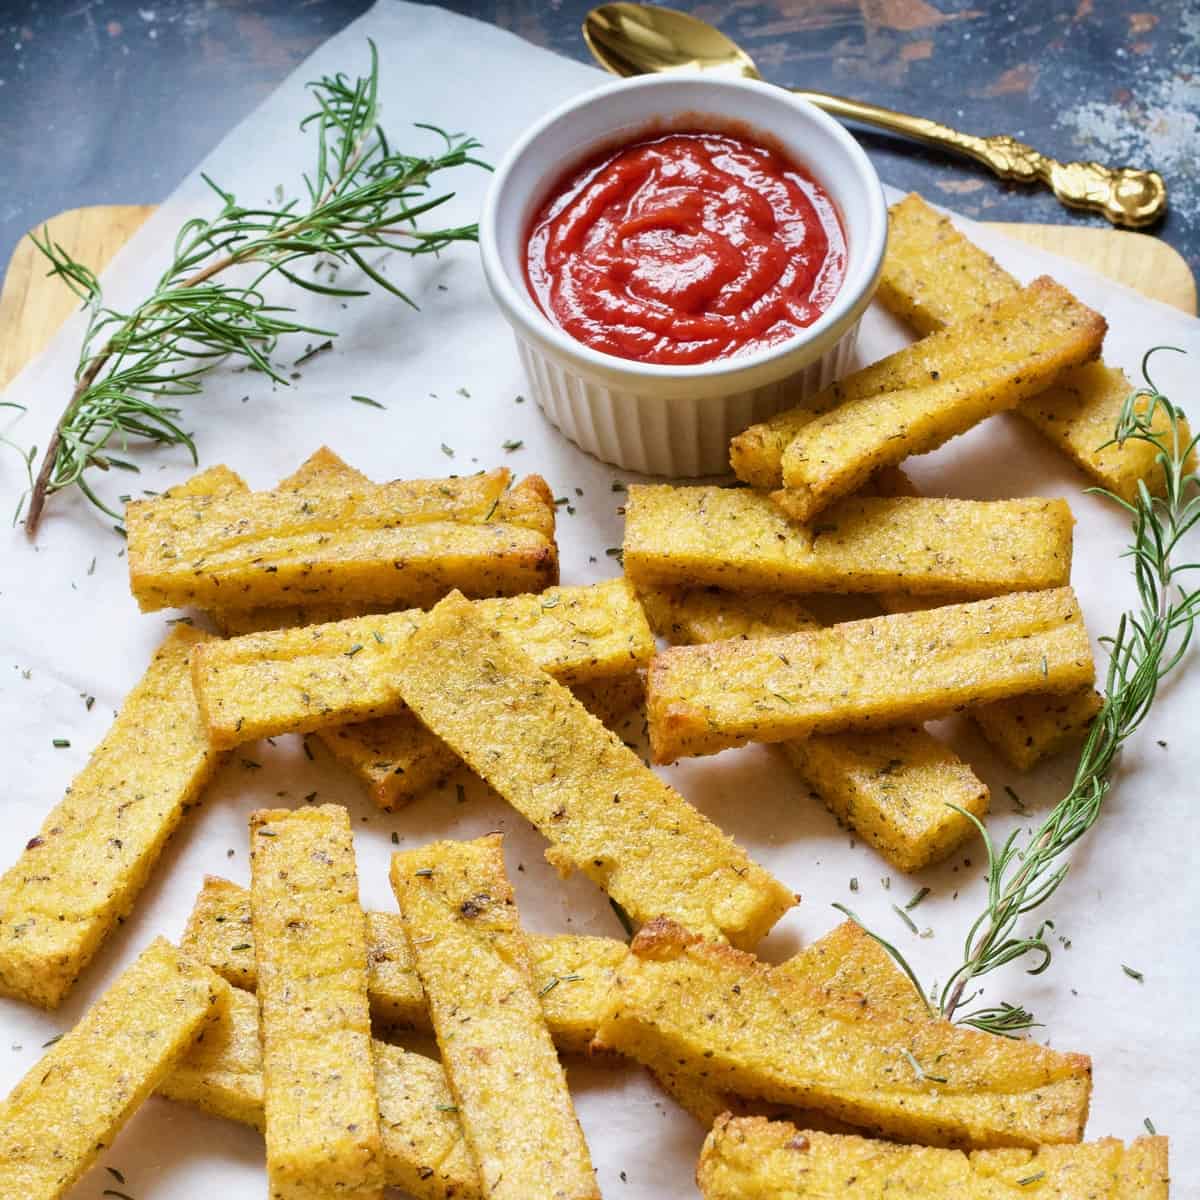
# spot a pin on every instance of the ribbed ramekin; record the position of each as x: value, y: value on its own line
x: 661, y: 419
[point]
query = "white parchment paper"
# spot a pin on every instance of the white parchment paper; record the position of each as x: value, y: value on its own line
x: 449, y: 377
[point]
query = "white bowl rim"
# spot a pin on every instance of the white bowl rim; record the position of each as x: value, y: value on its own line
x: 848, y: 304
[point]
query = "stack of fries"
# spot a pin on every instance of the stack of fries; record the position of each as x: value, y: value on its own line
x: 414, y: 626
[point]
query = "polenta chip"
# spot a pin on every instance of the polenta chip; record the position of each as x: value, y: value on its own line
x: 460, y: 917
x: 528, y: 502
x: 761, y: 1033
x: 407, y: 542
x: 71, y: 1104
x: 1027, y: 729
x: 222, y: 1073
x: 296, y: 680
x: 894, y: 787
x: 572, y: 973
x: 935, y: 277
x: 213, y: 481
x: 310, y: 949
x: 755, y: 1159
x: 1079, y: 415
x: 974, y: 343
x: 846, y: 962
x: 323, y: 469
x: 685, y: 616
x: 738, y: 539
x: 604, y: 812
x: 82, y: 872
x: 932, y: 275
x: 397, y: 758
x: 865, y: 674
x: 422, y: 1143
x: 1022, y: 730
x: 1046, y: 330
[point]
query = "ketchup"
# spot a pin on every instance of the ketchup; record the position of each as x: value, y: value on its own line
x: 685, y: 248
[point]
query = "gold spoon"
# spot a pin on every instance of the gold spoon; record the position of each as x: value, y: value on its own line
x: 641, y: 39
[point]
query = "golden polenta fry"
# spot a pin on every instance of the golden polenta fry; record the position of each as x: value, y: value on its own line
x: 1027, y: 729
x: 1079, y: 415
x: 894, y: 787
x: 572, y: 973
x: 310, y: 950
x: 757, y: 1032
x: 846, y: 962
x: 528, y: 503
x: 422, y: 1143
x: 836, y: 452
x: 460, y: 917
x: 397, y: 758
x: 222, y: 1073
x: 406, y: 542
x: 973, y: 343
x: 71, y: 1104
x: 604, y: 812
x: 321, y: 467
x: 865, y: 674
x: 736, y: 538
x: 755, y: 1159
x: 82, y: 872
x: 685, y: 616
x: 297, y: 680
x: 213, y: 481
x: 934, y: 277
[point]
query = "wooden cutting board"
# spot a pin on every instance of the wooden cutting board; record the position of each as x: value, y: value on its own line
x: 32, y: 306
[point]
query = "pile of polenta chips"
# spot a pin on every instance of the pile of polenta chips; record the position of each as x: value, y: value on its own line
x: 415, y: 625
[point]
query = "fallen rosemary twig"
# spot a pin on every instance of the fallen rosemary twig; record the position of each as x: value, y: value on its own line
x: 1149, y: 643
x: 362, y: 197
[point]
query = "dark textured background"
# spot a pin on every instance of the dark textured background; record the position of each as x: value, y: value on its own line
x: 112, y: 101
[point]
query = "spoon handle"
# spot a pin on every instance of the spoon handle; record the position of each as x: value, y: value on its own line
x: 1125, y: 195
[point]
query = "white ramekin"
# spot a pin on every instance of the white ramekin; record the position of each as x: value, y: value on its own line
x: 653, y: 418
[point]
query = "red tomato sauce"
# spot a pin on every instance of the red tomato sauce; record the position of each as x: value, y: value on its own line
x: 685, y: 248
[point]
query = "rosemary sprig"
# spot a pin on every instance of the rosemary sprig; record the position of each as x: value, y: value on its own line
x: 362, y: 197
x: 1150, y: 642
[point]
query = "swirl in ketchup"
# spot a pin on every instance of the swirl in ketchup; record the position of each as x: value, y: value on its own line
x: 685, y: 248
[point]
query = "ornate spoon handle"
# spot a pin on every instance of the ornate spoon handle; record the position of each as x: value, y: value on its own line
x: 1125, y: 195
